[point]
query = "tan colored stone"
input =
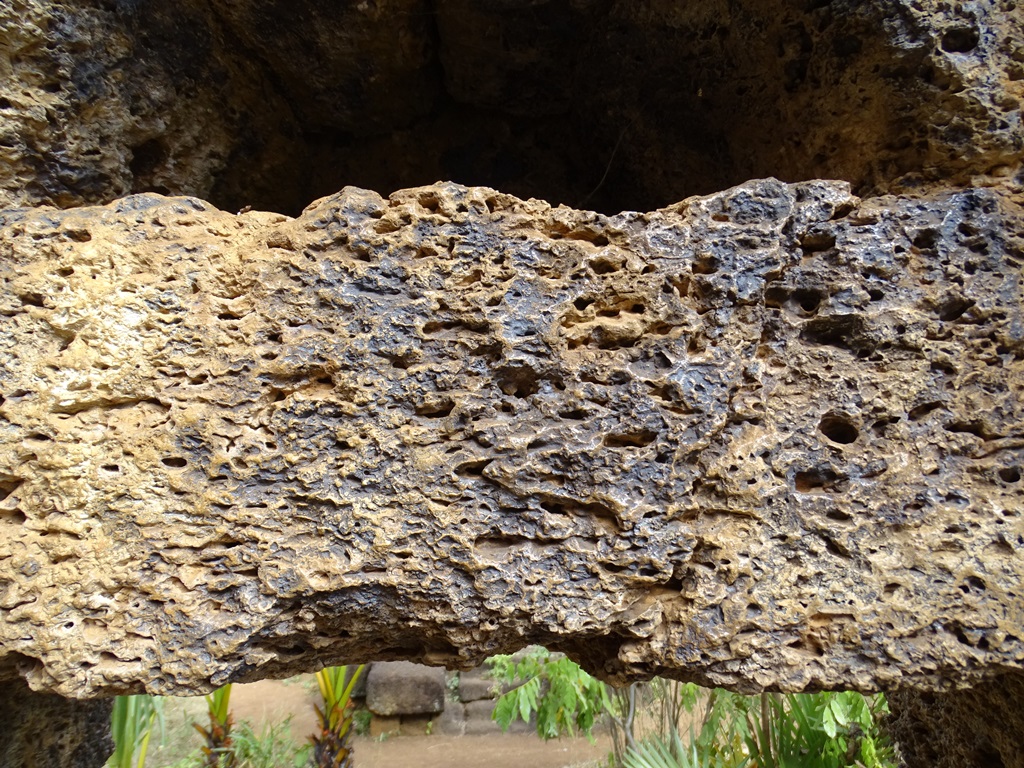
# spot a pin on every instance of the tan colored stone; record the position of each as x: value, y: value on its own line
x: 848, y: 515
x: 770, y: 438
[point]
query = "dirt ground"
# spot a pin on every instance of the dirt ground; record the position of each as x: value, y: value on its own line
x: 500, y: 751
x: 273, y: 701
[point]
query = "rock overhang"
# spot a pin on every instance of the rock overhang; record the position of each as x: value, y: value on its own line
x: 601, y: 104
x: 597, y: 104
x: 765, y: 439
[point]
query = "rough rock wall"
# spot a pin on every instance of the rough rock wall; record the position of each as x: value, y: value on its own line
x: 43, y: 730
x: 610, y: 104
x: 771, y: 438
x: 890, y: 444
x: 980, y: 726
x: 100, y: 99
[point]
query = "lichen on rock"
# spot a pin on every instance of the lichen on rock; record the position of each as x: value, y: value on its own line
x: 768, y: 439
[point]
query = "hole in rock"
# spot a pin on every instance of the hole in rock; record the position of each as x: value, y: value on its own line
x: 705, y: 265
x: 808, y: 299
x: 918, y: 412
x: 146, y: 159
x: 815, y: 480
x: 1009, y: 474
x: 838, y: 429
x: 605, y: 266
x: 13, y: 516
x: 472, y: 468
x: 630, y: 440
x: 435, y: 410
x: 960, y: 40
x: 7, y: 487
x: 841, y: 331
x: 817, y: 241
x: 604, y: 104
x: 972, y: 584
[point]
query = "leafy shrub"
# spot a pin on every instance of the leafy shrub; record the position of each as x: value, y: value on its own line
x: 272, y: 747
x: 564, y: 698
x: 361, y: 719
x: 726, y: 730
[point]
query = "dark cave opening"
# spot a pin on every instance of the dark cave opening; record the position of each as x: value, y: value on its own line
x: 583, y: 102
x: 603, y: 104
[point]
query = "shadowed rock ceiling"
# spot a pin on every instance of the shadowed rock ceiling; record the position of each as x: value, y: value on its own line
x: 601, y: 104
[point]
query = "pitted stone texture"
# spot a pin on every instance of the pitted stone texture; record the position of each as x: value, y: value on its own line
x: 980, y: 726
x: 606, y: 103
x: 41, y: 729
x: 770, y: 438
x: 403, y: 688
x: 99, y: 100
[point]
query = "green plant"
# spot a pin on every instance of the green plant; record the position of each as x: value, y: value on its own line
x: 724, y: 729
x: 132, y: 725
x: 272, y: 747
x: 452, y: 686
x: 361, y: 718
x: 332, y: 746
x: 671, y: 752
x: 714, y: 736
x: 219, y: 749
x: 823, y: 730
x: 564, y: 698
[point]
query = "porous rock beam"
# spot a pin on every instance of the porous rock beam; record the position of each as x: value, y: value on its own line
x: 766, y: 439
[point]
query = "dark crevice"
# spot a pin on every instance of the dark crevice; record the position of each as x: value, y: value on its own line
x: 7, y: 487
x: 630, y: 440
x: 317, y: 96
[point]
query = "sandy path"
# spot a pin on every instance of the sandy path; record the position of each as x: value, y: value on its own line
x: 272, y: 701
x: 500, y: 751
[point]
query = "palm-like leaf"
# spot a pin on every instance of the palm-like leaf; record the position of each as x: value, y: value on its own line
x: 331, y: 746
x: 218, y: 752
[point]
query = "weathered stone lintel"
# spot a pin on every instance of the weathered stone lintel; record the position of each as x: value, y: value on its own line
x: 766, y: 439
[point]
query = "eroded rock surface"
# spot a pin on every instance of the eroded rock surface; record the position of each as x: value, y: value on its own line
x: 43, y: 729
x: 610, y: 104
x: 979, y: 727
x: 770, y: 438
